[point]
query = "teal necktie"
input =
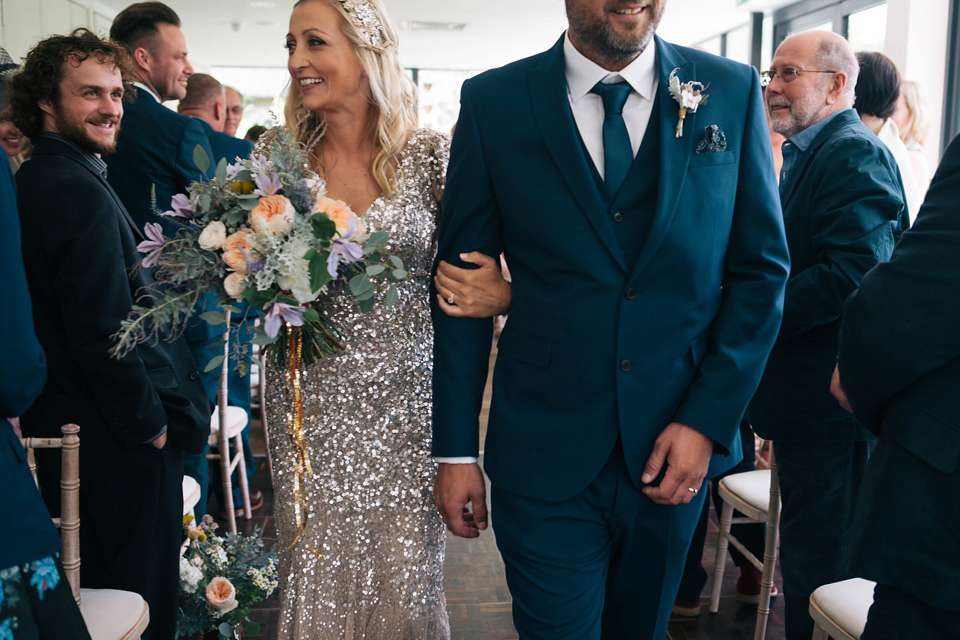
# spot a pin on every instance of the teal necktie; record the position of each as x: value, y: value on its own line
x: 617, y: 152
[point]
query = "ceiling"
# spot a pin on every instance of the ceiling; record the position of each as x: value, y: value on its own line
x: 250, y: 33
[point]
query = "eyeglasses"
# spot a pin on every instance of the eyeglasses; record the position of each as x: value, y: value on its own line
x: 787, y: 75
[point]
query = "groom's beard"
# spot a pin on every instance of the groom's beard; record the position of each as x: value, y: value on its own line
x: 601, y: 36
x: 75, y: 131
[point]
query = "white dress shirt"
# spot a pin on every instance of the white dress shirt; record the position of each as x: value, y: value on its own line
x: 582, y: 73
x: 142, y: 87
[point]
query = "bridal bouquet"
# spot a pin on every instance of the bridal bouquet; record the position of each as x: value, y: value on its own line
x: 262, y: 230
x: 220, y: 578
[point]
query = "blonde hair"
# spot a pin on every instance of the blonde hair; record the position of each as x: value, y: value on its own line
x: 917, y: 127
x: 393, y: 97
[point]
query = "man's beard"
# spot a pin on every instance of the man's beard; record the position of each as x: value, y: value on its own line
x: 605, y: 41
x: 802, y: 113
x: 76, y: 133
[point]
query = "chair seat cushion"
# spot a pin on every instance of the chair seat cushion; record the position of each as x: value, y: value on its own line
x: 113, y: 615
x: 752, y: 487
x: 845, y: 603
x: 191, y: 494
x: 236, y: 421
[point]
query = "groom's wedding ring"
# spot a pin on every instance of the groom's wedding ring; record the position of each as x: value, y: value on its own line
x: 693, y: 491
x: 450, y: 299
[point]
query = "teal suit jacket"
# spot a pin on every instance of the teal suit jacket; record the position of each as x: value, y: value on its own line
x: 594, y: 351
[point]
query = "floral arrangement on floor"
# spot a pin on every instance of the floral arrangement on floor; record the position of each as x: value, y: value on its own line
x: 261, y: 230
x: 220, y: 578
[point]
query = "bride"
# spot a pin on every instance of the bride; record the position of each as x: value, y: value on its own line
x: 367, y: 559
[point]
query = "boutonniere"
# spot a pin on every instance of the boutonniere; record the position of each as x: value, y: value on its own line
x: 689, y: 95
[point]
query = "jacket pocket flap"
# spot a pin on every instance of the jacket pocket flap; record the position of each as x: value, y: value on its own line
x: 162, y: 378
x: 524, y: 348
x: 711, y: 159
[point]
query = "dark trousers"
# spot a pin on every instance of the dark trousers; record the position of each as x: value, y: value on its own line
x: 751, y: 535
x: 603, y: 564
x: 131, y: 527
x: 819, y: 482
x: 896, y: 615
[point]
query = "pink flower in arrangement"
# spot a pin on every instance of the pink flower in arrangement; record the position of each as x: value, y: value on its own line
x: 341, y: 214
x: 274, y: 214
x: 221, y: 595
x: 239, y: 251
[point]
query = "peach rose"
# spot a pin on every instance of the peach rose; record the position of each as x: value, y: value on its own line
x: 341, y: 214
x: 234, y: 285
x: 213, y: 236
x: 239, y: 251
x: 221, y: 595
x: 274, y: 214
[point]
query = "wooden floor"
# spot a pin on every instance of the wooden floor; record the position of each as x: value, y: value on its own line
x: 478, y: 600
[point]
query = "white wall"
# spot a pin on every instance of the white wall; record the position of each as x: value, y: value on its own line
x: 917, y: 38
x: 26, y: 22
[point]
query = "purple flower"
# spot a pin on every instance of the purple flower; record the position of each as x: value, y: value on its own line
x: 233, y: 170
x: 343, y: 249
x: 181, y: 207
x: 282, y: 312
x: 153, y: 245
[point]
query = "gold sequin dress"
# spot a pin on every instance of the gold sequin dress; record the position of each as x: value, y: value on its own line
x: 369, y: 561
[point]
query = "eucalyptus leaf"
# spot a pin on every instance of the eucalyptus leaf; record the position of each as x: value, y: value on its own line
x: 397, y: 262
x: 219, y: 344
x: 204, y: 202
x: 244, y: 175
x: 221, y: 175
x: 317, y: 266
x: 230, y: 308
x: 378, y: 237
x: 262, y: 339
x: 359, y: 284
x: 234, y: 216
x: 225, y: 630
x: 375, y: 270
x: 366, y: 294
x: 215, y: 362
x: 366, y: 305
x: 392, y: 295
x: 311, y: 315
x: 213, y: 317
x: 248, y: 202
x: 251, y: 628
x: 399, y: 274
x: 200, y: 159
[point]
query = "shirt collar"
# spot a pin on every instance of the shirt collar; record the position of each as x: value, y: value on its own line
x: 803, y: 139
x: 140, y: 85
x: 583, y: 73
x: 97, y: 163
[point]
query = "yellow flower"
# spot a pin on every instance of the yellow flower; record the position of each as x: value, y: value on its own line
x: 243, y: 187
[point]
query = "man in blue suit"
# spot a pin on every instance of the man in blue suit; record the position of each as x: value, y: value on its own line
x: 843, y: 206
x: 899, y: 365
x: 205, y: 100
x: 648, y: 267
x: 155, y: 151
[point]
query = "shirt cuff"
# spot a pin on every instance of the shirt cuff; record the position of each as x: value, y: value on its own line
x: 460, y: 460
x: 162, y: 431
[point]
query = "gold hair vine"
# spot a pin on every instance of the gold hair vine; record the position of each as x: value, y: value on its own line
x: 365, y: 18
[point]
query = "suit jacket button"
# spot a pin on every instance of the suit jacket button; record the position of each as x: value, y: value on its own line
x: 617, y: 217
x: 626, y: 364
x: 631, y: 293
x: 194, y: 375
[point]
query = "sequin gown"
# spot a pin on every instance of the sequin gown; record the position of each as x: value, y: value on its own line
x: 369, y: 562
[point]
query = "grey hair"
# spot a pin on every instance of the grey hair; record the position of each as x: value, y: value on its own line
x: 836, y: 54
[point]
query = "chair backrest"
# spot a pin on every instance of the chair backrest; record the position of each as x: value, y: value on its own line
x: 69, y: 520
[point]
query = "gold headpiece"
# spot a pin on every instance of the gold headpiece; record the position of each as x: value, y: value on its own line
x: 365, y: 18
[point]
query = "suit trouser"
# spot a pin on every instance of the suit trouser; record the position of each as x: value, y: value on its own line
x: 131, y: 510
x: 605, y: 563
x: 819, y: 483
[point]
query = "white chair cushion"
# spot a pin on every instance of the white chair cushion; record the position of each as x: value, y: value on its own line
x: 753, y: 487
x: 236, y: 421
x: 114, y: 615
x: 191, y: 494
x: 846, y: 603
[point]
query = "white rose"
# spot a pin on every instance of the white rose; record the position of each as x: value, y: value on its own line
x: 234, y: 285
x: 213, y: 236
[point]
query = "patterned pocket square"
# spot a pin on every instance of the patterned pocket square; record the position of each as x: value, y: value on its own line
x: 713, y: 140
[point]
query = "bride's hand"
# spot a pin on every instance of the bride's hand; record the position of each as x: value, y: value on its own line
x: 473, y: 293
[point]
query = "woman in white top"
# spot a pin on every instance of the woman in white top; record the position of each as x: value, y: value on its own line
x: 878, y: 88
x: 911, y: 117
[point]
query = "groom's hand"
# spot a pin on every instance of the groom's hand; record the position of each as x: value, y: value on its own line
x: 457, y: 485
x: 686, y: 452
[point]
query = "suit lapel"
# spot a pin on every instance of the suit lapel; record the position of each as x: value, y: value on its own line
x: 675, y: 152
x: 551, y: 108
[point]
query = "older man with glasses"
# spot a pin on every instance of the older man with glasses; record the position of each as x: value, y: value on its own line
x: 843, y: 208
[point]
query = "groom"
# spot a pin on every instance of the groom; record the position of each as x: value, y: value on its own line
x: 648, y: 274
